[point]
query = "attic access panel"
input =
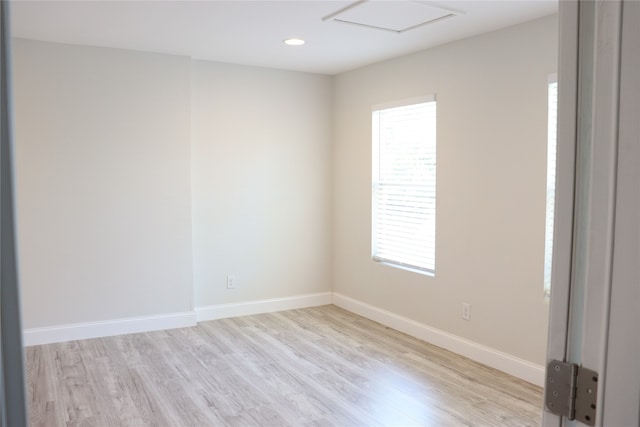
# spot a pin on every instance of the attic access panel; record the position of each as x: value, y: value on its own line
x: 396, y: 16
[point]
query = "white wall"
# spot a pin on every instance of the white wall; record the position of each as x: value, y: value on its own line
x: 103, y: 183
x: 119, y: 151
x: 492, y: 106
x: 261, y: 152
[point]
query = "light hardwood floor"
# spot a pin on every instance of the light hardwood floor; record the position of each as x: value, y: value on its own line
x: 319, y: 366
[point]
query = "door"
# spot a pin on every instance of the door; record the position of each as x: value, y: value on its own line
x: 594, y: 316
x: 12, y: 392
x: 621, y: 405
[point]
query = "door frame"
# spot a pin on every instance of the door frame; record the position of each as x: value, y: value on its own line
x: 595, y: 273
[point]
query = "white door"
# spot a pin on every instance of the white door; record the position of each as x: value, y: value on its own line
x: 595, y: 301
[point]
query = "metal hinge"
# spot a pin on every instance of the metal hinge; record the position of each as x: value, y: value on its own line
x: 571, y: 391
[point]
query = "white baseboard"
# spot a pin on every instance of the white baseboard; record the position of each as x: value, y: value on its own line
x: 107, y: 328
x: 247, y: 308
x: 496, y: 359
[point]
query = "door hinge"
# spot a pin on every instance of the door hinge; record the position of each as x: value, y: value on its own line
x: 571, y: 391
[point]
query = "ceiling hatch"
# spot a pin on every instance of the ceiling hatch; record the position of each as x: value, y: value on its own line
x: 396, y: 16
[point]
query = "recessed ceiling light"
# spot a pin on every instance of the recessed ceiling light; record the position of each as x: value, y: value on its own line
x: 294, y: 41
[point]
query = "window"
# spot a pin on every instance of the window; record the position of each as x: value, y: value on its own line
x: 404, y: 184
x: 551, y: 181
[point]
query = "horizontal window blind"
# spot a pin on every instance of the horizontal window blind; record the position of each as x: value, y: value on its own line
x: 552, y: 150
x: 404, y: 185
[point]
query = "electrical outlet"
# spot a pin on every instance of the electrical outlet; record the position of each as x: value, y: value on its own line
x: 466, y: 311
x: 231, y: 281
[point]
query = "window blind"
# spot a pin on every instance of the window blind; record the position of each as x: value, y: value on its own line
x: 552, y: 125
x: 404, y: 185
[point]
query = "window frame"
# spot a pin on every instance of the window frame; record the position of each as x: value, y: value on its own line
x: 375, y: 183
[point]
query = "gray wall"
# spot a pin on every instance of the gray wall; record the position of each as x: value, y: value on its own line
x: 103, y: 184
x: 491, y: 159
x: 261, y: 152
x: 125, y: 157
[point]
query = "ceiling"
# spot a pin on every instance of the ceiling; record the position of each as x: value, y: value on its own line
x: 252, y: 32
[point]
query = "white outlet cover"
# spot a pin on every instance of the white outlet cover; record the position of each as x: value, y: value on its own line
x: 231, y: 281
x: 466, y: 311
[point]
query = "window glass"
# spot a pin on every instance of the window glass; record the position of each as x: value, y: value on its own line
x: 404, y: 184
x: 552, y: 125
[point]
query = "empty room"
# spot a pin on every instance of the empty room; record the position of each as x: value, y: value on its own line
x: 284, y: 213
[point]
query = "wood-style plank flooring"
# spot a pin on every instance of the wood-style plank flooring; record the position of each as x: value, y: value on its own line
x: 319, y: 366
